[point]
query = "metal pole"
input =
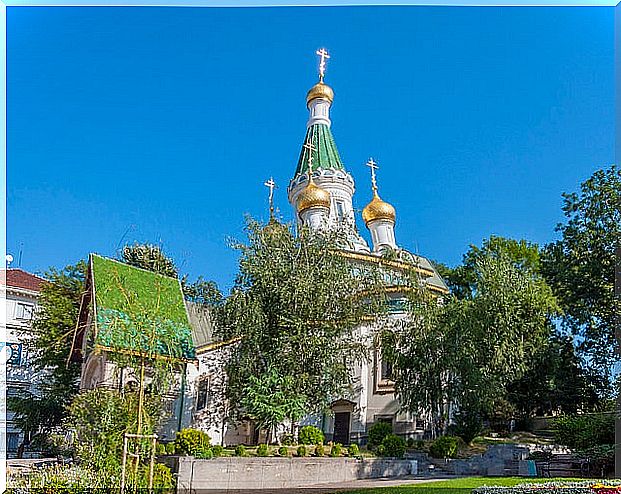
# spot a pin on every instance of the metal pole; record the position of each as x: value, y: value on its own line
x: 124, y: 463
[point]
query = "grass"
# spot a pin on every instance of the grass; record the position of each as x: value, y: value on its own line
x: 453, y: 486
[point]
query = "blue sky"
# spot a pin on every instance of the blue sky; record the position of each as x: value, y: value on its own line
x: 161, y: 124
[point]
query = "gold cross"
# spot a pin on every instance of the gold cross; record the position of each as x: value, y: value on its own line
x: 322, y: 63
x: 373, y: 166
x: 311, y: 148
x: 270, y: 184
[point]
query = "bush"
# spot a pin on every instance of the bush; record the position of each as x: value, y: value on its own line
x: 170, y: 448
x: 411, y: 442
x: 380, y: 450
x: 288, y: 439
x: 309, y: 434
x: 468, y: 425
x: 203, y: 453
x: 217, y: 450
x: 302, y: 450
x: 336, y: 450
x: 377, y: 433
x: 420, y: 444
x: 283, y: 451
x: 353, y: 450
x: 240, y: 450
x: 584, y: 431
x: 444, y: 447
x: 263, y: 450
x: 319, y: 450
x: 160, y: 449
x: 393, y: 446
x: 190, y: 441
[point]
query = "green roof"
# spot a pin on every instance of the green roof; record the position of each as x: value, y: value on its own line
x: 139, y: 311
x: 325, y: 156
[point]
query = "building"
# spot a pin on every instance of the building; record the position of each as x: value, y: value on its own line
x: 21, y: 291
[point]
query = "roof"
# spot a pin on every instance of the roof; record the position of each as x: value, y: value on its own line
x: 18, y: 278
x: 325, y: 155
x: 139, y: 311
x: 202, y: 326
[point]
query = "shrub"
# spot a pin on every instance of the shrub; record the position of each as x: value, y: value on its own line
x: 263, y: 450
x: 444, y: 447
x: 309, y: 434
x: 336, y: 450
x: 170, y: 448
x: 410, y: 442
x: 302, y: 450
x: 380, y: 450
x: 203, y: 453
x: 189, y: 441
x: 160, y: 449
x: 288, y: 439
x: 283, y: 451
x: 584, y: 431
x: 377, y: 433
x: 393, y: 446
x: 319, y: 450
x: 240, y: 450
x: 217, y: 450
x: 468, y: 425
x: 353, y: 450
x: 420, y: 444
x: 540, y: 455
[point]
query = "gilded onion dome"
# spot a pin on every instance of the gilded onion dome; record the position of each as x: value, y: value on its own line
x: 320, y: 90
x: 378, y: 210
x: 313, y: 196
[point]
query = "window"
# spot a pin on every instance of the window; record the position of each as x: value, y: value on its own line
x: 340, y: 210
x: 202, y: 394
x: 12, y: 441
x: 386, y: 370
x: 23, y: 311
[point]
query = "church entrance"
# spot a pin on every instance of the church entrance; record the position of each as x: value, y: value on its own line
x: 341, y: 427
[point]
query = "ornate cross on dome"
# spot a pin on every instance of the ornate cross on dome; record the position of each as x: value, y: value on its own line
x: 309, y: 145
x: 373, y: 166
x: 270, y: 184
x: 322, y: 63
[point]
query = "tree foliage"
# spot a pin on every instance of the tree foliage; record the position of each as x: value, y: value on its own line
x: 296, y: 304
x: 464, y: 351
x: 580, y: 266
x: 48, y: 343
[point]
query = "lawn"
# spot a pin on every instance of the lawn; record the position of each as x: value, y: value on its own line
x: 453, y: 486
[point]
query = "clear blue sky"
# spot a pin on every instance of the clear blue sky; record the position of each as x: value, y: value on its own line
x: 163, y: 123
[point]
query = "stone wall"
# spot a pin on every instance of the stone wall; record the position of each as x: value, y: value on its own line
x: 234, y: 473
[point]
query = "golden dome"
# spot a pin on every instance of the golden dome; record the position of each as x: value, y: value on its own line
x: 320, y: 90
x: 378, y: 210
x: 313, y: 196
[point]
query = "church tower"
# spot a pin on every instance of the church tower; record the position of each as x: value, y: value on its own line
x: 379, y: 216
x: 320, y: 168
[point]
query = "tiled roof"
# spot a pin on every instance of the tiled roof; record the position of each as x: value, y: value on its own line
x: 18, y: 278
x: 325, y: 156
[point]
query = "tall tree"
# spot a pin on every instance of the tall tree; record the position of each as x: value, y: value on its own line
x: 297, y: 302
x: 464, y: 351
x: 48, y: 343
x: 580, y: 266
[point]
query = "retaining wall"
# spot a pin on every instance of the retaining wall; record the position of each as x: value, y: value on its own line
x: 235, y: 473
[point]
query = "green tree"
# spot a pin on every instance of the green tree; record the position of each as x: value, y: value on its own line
x: 464, y: 351
x: 48, y: 343
x: 296, y: 303
x: 581, y: 265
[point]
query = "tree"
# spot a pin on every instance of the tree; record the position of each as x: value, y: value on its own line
x: 580, y: 266
x: 464, y: 351
x: 296, y: 304
x: 48, y: 343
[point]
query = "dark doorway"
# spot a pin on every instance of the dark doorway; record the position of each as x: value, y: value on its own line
x: 341, y: 427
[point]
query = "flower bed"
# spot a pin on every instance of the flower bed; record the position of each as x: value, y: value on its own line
x: 582, y: 487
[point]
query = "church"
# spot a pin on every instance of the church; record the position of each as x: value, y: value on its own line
x: 321, y: 194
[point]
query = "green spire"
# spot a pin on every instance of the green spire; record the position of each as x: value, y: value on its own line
x: 326, y: 156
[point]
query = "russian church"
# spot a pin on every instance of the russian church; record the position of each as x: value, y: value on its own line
x: 321, y: 194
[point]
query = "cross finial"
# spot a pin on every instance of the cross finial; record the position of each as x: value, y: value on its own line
x: 270, y: 184
x: 373, y: 166
x: 309, y: 145
x: 322, y: 63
